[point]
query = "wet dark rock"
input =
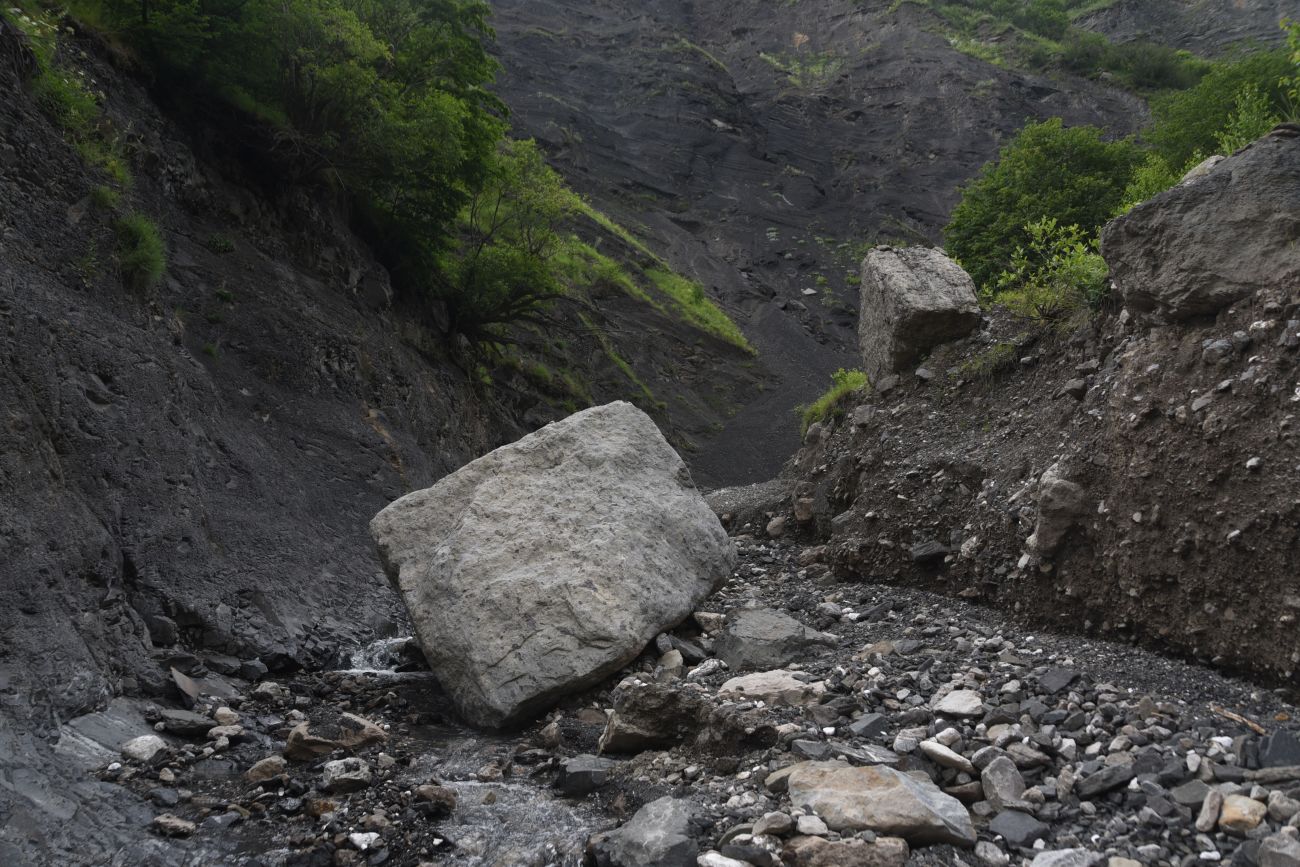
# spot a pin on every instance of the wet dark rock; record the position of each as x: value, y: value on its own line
x: 648, y: 716
x: 582, y: 775
x: 659, y: 835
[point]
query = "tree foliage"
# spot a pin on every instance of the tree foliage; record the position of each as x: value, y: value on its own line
x: 1070, y: 174
x: 386, y: 98
x: 499, y: 270
x: 1189, y: 122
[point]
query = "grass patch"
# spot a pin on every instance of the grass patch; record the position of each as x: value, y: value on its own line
x: 997, y: 359
x: 809, y: 71
x: 831, y: 405
x: 647, y: 396
x: 141, y: 255
x: 686, y: 46
x: 104, y: 197
x: 66, y: 94
x: 697, y: 308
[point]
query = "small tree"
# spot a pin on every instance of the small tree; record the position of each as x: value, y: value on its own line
x: 500, y: 272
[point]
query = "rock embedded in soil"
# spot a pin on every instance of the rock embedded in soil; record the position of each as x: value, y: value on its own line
x: 548, y: 564
x: 345, y: 775
x: 880, y: 799
x: 143, y: 748
x: 913, y: 299
x: 1200, y: 246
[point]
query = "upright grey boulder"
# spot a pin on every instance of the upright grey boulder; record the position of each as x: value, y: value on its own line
x: 550, y: 563
x: 1213, y: 239
x: 913, y: 299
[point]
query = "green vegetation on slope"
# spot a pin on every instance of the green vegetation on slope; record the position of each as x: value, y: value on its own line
x: 1026, y: 227
x: 388, y: 103
x: 831, y: 404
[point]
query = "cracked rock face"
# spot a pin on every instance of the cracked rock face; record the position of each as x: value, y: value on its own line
x: 549, y: 564
x: 913, y: 299
x: 1214, y: 239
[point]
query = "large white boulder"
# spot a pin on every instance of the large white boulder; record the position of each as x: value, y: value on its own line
x: 913, y: 299
x: 550, y: 563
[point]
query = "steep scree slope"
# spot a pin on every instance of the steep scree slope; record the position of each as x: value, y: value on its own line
x: 758, y: 144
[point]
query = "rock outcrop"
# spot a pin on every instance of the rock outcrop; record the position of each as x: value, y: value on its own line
x: 549, y: 563
x: 913, y: 299
x: 1216, y: 238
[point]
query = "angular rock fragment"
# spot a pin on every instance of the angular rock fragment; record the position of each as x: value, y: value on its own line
x: 347, y: 731
x: 913, y: 299
x: 779, y: 688
x: 658, y: 835
x: 760, y: 638
x: 880, y: 799
x: 550, y: 563
x: 1196, y: 248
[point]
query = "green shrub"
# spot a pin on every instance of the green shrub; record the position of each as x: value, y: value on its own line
x: 1056, y: 275
x: 831, y: 404
x: 1045, y: 17
x: 1154, y: 175
x: 104, y: 197
x: 1290, y: 81
x: 501, y: 270
x: 1252, y: 116
x: 141, y: 256
x: 220, y: 243
x: 1069, y: 174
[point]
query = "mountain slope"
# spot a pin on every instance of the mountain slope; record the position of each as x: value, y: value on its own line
x: 758, y: 145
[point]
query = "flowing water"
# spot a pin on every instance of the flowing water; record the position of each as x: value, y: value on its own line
x: 516, y: 820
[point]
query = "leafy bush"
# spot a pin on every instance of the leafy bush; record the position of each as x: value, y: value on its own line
x: 386, y: 99
x: 1251, y: 117
x: 1154, y: 175
x: 1048, y: 170
x: 1045, y: 17
x: 1056, y: 275
x: 1290, y: 82
x: 1188, y: 123
x: 141, y: 255
x: 831, y: 404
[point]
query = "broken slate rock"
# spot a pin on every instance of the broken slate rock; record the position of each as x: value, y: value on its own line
x: 880, y: 799
x: 760, y: 638
x: 1018, y: 829
x: 345, y: 775
x: 584, y: 774
x: 548, y: 564
x: 650, y: 716
x: 959, y: 702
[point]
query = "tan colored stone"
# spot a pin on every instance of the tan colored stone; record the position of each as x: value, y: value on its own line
x: 1241, y: 814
